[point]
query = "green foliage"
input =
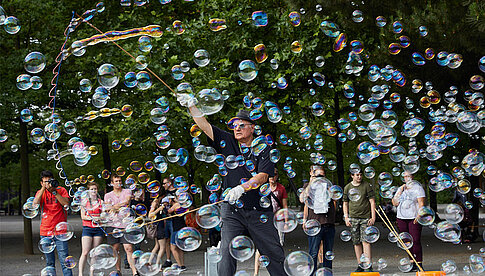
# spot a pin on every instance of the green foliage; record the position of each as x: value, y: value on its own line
x: 453, y: 26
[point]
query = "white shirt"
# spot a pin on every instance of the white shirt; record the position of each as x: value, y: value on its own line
x: 408, y: 202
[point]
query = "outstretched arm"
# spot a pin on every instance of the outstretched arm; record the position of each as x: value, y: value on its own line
x: 202, y: 122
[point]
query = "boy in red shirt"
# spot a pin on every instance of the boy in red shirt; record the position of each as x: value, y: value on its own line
x: 52, y: 200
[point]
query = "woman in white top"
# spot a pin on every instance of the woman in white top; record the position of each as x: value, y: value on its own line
x: 408, y: 199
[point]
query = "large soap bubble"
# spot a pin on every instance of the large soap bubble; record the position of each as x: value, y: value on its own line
x: 318, y: 194
x: 188, y: 239
x: 285, y: 220
x: 208, y: 216
x: 145, y: 265
x: 47, y: 245
x: 103, y: 256
x: 241, y: 248
x: 311, y: 227
x: 108, y: 76
x: 371, y: 234
x: 425, y: 216
x: 34, y: 62
x: 63, y: 231
x: 454, y: 213
x: 247, y: 70
x: 134, y: 233
x: 406, y: 239
x: 447, y: 231
x: 298, y: 263
x: 210, y: 101
x: 201, y: 57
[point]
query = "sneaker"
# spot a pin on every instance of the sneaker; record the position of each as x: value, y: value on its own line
x: 127, y: 265
x: 167, y: 263
x: 183, y: 268
x: 359, y: 269
x: 369, y: 269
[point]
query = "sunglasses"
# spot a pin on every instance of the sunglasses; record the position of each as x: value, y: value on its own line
x: 232, y: 125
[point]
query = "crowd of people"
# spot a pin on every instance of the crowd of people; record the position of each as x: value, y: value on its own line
x: 240, y: 212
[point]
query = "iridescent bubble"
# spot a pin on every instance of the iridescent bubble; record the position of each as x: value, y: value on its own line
x: 141, y: 62
x: 319, y: 61
x: 330, y: 29
x: 345, y: 235
x: 260, y: 53
x: 145, y: 43
x: 63, y: 231
x: 318, y: 109
x: 188, y: 239
x: 26, y: 115
x: 217, y: 24
x: 177, y: 73
x: 102, y: 257
x: 397, y: 27
x: 143, y: 80
x: 201, y: 58
x: 296, y: 47
x: 285, y: 220
x: 357, y: 16
x: 394, y: 48
x: 476, y: 82
x: 298, y: 263
x: 11, y: 25
x: 23, y: 82
x: 423, y: 31
x: 210, y: 101
x: 454, y: 213
x: 178, y: 27
x: 357, y: 46
x: 406, y: 241
x: 311, y: 227
x: 70, y: 262
x: 34, y: 62
x: 281, y: 83
x: 3, y: 16
x: 108, y: 76
x: 247, y: 70
x: 37, y: 136
x: 260, y: 18
x: 454, y: 60
x: 241, y: 248
x: 381, y: 21
x: 418, y: 59
x: 295, y: 19
x: 70, y: 127
x: 47, y: 245
x: 318, y: 79
x: 274, y: 63
x: 447, y: 231
x: 340, y: 42
x: 371, y: 233
x: 405, y: 265
x: 85, y: 85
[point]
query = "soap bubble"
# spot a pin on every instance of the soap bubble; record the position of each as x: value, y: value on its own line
x: 63, y: 231
x: 208, y: 216
x: 448, y: 267
x: 23, y: 82
x: 143, y: 81
x: 425, y: 216
x: 381, y: 21
x: 247, y: 70
x: 357, y: 16
x: 336, y: 192
x: 37, y: 136
x: 345, y: 235
x: 381, y: 264
x: 201, y: 58
x: 311, y: 227
x: 48, y: 271
x: 108, y: 75
x: 188, y: 239
x: 241, y: 248
x: 47, y: 245
x: 103, y: 256
x: 134, y: 233
x: 145, y: 43
x: 405, y: 265
x: 34, y: 62
x: 295, y: 18
x: 354, y: 194
x: 260, y: 18
x: 210, y: 101
x: 371, y: 234
x: 447, y: 231
x: 11, y: 25
x: 298, y: 263
x: 26, y: 115
x: 407, y: 241
x: 145, y: 266
x: 329, y: 255
x: 285, y: 220
x: 477, y: 263
x: 454, y: 213
x: 296, y: 47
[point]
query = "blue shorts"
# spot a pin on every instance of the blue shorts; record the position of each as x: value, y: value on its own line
x: 168, y: 228
x: 92, y: 231
x: 173, y: 237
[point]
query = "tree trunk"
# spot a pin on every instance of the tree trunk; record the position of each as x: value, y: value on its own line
x: 338, y: 145
x: 106, y: 158
x: 25, y: 184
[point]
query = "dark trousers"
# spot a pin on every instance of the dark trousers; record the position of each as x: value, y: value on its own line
x: 326, y: 235
x: 408, y: 225
x: 264, y: 235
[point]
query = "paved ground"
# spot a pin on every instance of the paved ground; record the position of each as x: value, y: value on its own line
x: 14, y: 262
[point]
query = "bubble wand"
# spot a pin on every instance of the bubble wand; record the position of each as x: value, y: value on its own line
x: 391, y: 228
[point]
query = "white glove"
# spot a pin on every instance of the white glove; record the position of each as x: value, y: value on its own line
x: 234, y: 194
x: 186, y: 100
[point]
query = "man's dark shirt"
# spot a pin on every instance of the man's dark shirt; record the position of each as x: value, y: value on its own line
x: 262, y: 164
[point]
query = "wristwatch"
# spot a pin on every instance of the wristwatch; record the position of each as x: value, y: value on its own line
x: 54, y: 193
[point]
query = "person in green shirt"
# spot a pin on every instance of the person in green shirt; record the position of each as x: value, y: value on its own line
x: 359, y: 212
